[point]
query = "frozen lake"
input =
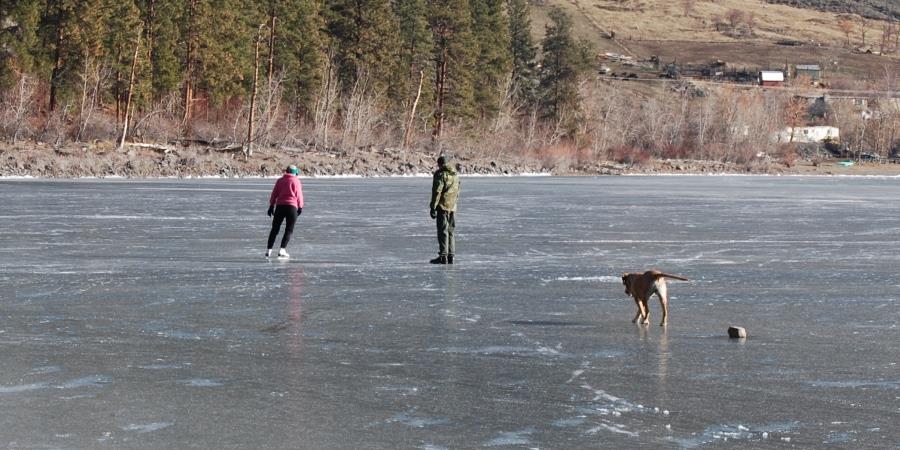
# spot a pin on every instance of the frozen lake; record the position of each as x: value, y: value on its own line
x: 143, y: 315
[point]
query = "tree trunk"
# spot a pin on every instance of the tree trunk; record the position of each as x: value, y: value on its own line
x: 117, y: 90
x: 412, y: 112
x: 897, y: 41
x: 270, y: 73
x: 189, y: 68
x: 248, y: 151
x: 57, y: 65
x: 440, y: 90
x: 137, y: 48
x: 151, y: 20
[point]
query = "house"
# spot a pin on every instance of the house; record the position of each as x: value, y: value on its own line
x: 771, y: 78
x: 813, y: 71
x: 806, y: 135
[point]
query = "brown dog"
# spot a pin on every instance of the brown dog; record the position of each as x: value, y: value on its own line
x: 642, y: 286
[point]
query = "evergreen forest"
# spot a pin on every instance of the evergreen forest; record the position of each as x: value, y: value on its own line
x: 284, y: 72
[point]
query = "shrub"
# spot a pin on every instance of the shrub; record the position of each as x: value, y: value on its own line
x: 674, y: 151
x: 630, y: 155
x: 560, y: 155
x: 788, y: 155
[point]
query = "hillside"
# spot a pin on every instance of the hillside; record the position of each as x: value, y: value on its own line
x: 741, y: 33
x: 876, y: 9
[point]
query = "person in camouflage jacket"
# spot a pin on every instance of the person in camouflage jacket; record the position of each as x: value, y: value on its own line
x: 444, y: 194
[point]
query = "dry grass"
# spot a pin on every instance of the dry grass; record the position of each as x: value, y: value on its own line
x: 665, y: 19
x: 645, y: 28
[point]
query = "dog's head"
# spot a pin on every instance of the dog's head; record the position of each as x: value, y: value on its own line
x: 626, y: 280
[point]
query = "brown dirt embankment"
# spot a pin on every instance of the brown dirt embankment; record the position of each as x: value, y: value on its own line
x: 103, y: 160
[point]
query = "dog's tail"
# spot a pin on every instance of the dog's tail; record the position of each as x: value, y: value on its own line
x: 668, y: 275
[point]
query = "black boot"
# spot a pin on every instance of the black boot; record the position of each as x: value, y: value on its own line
x: 439, y: 260
x: 449, y: 259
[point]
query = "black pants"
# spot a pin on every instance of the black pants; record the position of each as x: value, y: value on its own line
x: 283, y: 213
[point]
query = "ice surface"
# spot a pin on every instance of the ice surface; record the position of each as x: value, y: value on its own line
x: 144, y: 315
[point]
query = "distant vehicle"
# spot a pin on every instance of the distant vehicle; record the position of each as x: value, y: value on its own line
x: 869, y: 157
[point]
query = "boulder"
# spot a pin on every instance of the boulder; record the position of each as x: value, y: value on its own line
x: 737, y: 333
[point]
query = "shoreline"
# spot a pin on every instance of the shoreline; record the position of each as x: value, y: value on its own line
x: 428, y: 175
x: 102, y: 161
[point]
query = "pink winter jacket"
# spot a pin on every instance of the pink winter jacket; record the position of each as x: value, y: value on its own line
x: 287, y: 191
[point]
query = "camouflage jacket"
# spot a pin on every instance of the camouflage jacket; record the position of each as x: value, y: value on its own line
x: 445, y: 189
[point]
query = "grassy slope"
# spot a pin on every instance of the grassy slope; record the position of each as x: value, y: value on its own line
x: 660, y: 27
x: 876, y: 9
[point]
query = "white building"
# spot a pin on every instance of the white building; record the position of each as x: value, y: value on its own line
x: 771, y: 78
x: 805, y: 135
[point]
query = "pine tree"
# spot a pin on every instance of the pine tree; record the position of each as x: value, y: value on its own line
x: 564, y: 62
x: 56, y: 30
x: 219, y: 39
x: 364, y: 35
x: 523, y: 50
x: 453, y: 59
x: 161, y: 36
x: 490, y: 29
x: 297, y: 49
x: 414, y: 69
x: 121, y: 23
x: 19, y: 44
x: 228, y: 34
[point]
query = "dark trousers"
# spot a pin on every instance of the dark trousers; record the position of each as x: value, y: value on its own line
x: 283, y: 213
x: 446, y: 223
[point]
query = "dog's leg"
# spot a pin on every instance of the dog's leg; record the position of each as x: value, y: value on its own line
x: 663, y: 295
x: 640, y: 311
x: 646, y: 319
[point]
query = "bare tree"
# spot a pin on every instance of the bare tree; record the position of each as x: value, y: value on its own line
x: 864, y: 24
x: 18, y: 106
x: 846, y: 26
x: 248, y: 149
x: 734, y: 18
x: 795, y: 112
x: 92, y: 80
x: 750, y: 21
x: 270, y: 107
x: 703, y: 118
x: 270, y: 70
x: 131, y: 79
x: 361, y: 114
x: 55, y: 127
x: 160, y: 120
x: 887, y: 30
x: 896, y: 46
x: 326, y: 103
x: 508, y: 108
x: 412, y: 111
x: 190, y: 56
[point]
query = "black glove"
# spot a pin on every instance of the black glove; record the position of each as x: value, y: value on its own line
x: 434, y: 214
x: 271, y: 211
x: 299, y: 211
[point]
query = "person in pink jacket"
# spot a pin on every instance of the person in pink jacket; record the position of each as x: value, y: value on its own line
x: 285, y: 205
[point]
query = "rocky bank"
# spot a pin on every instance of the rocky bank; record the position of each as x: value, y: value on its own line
x: 151, y: 161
